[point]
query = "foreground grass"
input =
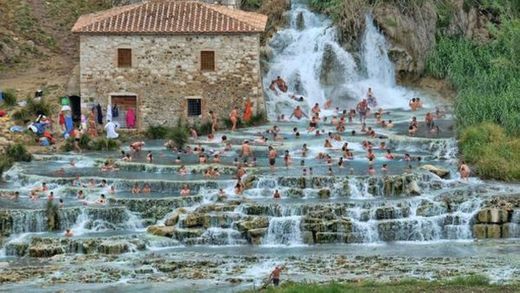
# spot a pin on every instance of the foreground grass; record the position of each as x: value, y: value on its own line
x: 494, y: 153
x: 461, y: 284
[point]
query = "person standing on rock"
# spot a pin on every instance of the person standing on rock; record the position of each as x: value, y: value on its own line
x: 233, y: 116
x: 214, y: 121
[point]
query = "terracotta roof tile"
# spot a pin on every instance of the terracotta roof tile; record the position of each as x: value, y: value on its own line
x: 171, y: 17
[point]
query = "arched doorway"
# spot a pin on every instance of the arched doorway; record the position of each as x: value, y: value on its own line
x: 75, y: 107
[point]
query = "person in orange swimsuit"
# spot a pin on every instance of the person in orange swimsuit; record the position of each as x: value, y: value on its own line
x: 248, y: 112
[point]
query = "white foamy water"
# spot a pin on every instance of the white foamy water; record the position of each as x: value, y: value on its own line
x: 284, y: 231
x: 303, y: 55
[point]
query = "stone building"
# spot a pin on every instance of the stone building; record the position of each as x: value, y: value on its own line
x: 171, y: 59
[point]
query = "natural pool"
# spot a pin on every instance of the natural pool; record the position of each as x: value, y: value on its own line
x: 346, y: 225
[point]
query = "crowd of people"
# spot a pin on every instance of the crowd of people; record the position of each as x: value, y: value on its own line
x: 364, y: 119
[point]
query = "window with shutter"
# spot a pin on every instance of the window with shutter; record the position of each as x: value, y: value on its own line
x: 124, y: 57
x: 207, y: 60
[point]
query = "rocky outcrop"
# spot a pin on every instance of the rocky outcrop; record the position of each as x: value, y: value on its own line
x: 468, y: 21
x: 332, y: 70
x: 411, y: 34
x: 42, y: 247
x: 439, y: 171
x: 498, y: 218
x: 411, y: 27
x: 155, y: 208
x: 163, y: 231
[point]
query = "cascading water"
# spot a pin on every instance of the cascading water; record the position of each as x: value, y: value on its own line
x: 309, y: 58
x: 376, y: 63
x: 284, y: 231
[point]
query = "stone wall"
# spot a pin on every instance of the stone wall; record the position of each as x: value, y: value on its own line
x: 166, y: 69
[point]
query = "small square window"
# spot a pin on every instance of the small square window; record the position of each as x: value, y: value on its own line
x: 124, y: 57
x: 194, y: 107
x: 207, y: 60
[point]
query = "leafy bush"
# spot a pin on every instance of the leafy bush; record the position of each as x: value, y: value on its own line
x: 13, y: 153
x: 179, y: 135
x: 84, y: 141
x: 103, y: 144
x: 493, y: 152
x: 156, y: 132
x: 257, y: 119
x: 42, y: 106
x: 68, y: 145
x: 250, y: 4
x: 18, y: 153
x: 21, y: 115
x: 9, y: 98
x: 203, y: 129
x: 5, y: 164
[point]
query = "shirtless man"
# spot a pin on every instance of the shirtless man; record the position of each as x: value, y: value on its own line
x: 233, y: 116
x: 316, y: 109
x: 413, y: 104
x: 246, y: 149
x: 429, y: 120
x: 275, y: 275
x: 272, y: 157
x: 214, y: 121
x: 298, y: 113
x: 362, y: 109
x: 137, y: 146
x: 464, y: 171
x: 68, y: 233
x: 280, y: 83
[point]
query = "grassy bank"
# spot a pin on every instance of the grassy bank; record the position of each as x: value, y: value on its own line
x: 487, y: 107
x: 463, y: 285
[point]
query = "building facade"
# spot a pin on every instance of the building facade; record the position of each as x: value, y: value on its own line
x: 169, y: 60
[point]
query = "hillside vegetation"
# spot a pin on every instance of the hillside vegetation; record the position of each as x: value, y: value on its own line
x: 476, y: 47
x: 487, y: 108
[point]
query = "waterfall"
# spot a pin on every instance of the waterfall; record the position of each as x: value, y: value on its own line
x: 29, y: 221
x: 376, y: 63
x: 358, y: 189
x: 308, y: 56
x: 514, y: 226
x: 284, y: 230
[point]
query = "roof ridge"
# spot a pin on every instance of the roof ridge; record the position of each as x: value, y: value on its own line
x: 171, y: 16
x: 223, y: 9
x: 104, y: 14
x: 212, y: 8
